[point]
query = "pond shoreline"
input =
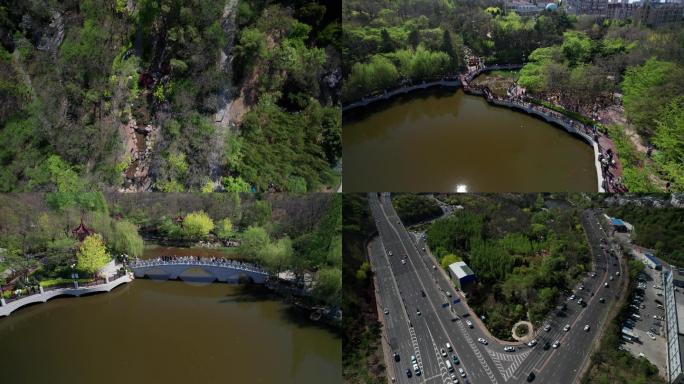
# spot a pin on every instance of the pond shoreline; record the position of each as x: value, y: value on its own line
x: 463, y: 82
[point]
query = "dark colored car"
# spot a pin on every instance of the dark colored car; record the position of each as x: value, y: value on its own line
x: 547, y: 345
x: 396, y: 357
x: 530, y: 377
x: 455, y: 359
x: 408, y: 372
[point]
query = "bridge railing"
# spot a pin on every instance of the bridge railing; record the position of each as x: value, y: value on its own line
x: 200, y: 262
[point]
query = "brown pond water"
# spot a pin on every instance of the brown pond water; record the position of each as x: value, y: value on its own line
x: 167, y: 332
x: 437, y: 140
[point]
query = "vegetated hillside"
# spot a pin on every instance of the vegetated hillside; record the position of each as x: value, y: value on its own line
x: 168, y: 95
x: 613, y: 64
x: 659, y: 228
x: 361, y: 348
x: 413, y: 208
x: 387, y: 43
x: 523, y: 254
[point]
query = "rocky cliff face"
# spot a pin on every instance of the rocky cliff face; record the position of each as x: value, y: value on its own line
x: 226, y: 96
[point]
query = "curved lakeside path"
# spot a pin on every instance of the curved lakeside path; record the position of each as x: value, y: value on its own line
x: 608, y: 169
x: 70, y: 289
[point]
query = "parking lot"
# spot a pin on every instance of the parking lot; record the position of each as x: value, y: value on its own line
x: 647, y: 320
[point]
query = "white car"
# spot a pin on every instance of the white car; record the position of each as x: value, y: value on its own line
x: 390, y: 253
x: 532, y: 343
x: 469, y: 323
x: 556, y: 344
x: 572, y: 297
x: 482, y: 341
x: 444, y: 354
x: 586, y: 328
x: 509, y: 349
x: 462, y: 372
x: 454, y: 380
x: 566, y: 328
x: 386, y: 311
x: 418, y: 312
x: 416, y: 369
x: 403, y: 261
x: 413, y: 359
x: 547, y: 327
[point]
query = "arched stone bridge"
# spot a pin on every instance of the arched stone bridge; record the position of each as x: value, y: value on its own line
x: 224, y: 271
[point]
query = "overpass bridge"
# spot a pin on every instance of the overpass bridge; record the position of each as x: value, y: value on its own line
x: 228, y: 271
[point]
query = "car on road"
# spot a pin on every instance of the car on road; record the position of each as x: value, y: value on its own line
x: 572, y: 297
x: 417, y: 311
x: 416, y: 369
x: 547, y: 327
x: 403, y: 261
x: 532, y: 343
x: 482, y: 340
x: 422, y: 293
x: 617, y: 273
x: 566, y: 328
x: 530, y: 377
x: 455, y: 359
x: 580, y: 301
x: 509, y: 349
x: 390, y: 253
x: 423, y: 249
x: 586, y: 328
x: 605, y: 285
x: 408, y: 372
x: 556, y: 344
x: 443, y: 352
x: 651, y: 335
x: 547, y: 345
x: 413, y: 359
x: 602, y: 300
x: 386, y: 311
x: 610, y: 278
x: 448, y: 347
x: 462, y: 372
x: 454, y: 380
x: 469, y: 323
x: 396, y: 357
x: 448, y: 294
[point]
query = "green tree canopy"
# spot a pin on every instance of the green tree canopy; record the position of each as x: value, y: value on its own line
x: 197, y: 225
x: 92, y: 255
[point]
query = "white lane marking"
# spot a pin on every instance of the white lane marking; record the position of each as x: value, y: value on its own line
x: 513, y: 360
x: 476, y: 352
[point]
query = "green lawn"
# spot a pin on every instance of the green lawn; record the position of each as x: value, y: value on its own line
x: 51, y: 282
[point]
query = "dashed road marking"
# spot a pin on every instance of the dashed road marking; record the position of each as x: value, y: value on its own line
x: 477, y: 353
x: 414, y: 341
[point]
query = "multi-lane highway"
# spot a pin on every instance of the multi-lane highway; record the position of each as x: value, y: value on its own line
x: 422, y: 312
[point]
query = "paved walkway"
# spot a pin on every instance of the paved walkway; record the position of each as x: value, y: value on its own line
x: 6, y: 308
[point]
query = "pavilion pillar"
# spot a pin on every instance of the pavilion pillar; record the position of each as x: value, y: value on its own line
x: 40, y: 287
x: 2, y: 302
